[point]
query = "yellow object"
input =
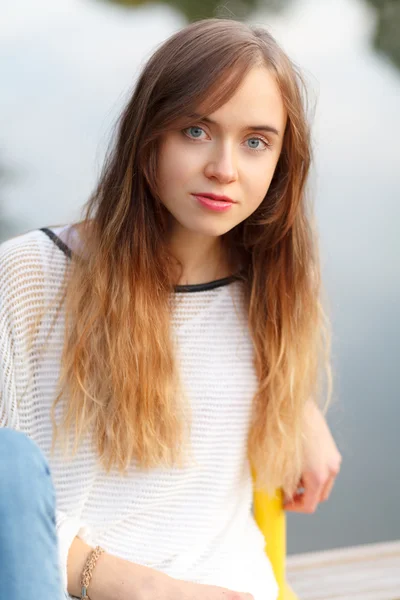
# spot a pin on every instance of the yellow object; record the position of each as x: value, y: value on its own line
x: 271, y: 519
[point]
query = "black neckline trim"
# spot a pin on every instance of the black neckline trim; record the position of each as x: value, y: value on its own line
x: 58, y: 241
x: 194, y: 287
x: 205, y: 287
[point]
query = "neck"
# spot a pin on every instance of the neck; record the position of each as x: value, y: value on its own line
x: 199, y: 258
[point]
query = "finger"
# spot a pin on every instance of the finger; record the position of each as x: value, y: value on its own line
x: 299, y: 492
x: 293, y: 505
x: 307, y: 500
x: 296, y: 494
x: 298, y: 506
x: 303, y: 503
x: 327, y: 488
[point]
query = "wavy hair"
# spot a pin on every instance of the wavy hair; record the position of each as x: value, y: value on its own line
x: 119, y: 375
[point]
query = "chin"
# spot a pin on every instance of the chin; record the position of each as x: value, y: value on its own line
x: 211, y: 230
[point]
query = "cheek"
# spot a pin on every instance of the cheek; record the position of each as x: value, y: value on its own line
x: 258, y: 181
x: 176, y: 164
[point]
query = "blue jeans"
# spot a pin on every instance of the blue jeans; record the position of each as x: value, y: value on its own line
x: 28, y: 540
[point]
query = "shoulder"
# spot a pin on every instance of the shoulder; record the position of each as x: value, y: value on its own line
x: 35, y: 249
x: 30, y: 265
x: 36, y: 245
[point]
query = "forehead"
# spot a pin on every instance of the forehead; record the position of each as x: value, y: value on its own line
x: 256, y: 100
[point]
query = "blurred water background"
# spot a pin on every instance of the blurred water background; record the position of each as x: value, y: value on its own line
x: 66, y: 68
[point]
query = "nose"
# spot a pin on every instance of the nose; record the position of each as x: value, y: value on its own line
x: 222, y: 166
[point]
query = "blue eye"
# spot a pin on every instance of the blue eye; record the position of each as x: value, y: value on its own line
x: 256, y: 144
x: 195, y: 132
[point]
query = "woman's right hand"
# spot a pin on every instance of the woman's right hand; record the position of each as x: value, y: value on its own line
x: 184, y: 590
x: 136, y: 582
x: 118, y: 579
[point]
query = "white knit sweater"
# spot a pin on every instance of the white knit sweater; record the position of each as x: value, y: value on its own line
x: 194, y: 523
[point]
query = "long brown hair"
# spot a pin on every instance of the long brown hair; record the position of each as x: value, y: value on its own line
x: 119, y: 377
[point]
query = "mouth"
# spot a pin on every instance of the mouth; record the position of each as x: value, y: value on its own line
x: 214, y: 202
x: 216, y: 198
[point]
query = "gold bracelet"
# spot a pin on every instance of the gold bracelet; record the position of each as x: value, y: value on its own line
x: 88, y: 571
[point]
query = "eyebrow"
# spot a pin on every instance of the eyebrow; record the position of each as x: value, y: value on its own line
x: 268, y: 128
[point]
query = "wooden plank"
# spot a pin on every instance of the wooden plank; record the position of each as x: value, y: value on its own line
x: 370, y: 572
x: 352, y: 553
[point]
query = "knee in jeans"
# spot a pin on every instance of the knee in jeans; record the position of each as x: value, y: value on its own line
x: 27, y: 497
x: 20, y: 459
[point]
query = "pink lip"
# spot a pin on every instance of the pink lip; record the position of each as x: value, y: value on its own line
x: 214, y: 202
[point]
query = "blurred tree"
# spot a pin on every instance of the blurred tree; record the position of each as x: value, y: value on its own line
x: 202, y: 9
x: 387, y: 31
x: 386, y: 37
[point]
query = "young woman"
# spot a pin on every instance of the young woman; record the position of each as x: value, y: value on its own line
x: 173, y: 340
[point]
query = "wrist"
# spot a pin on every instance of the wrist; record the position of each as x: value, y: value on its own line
x: 87, y: 573
x: 103, y: 585
x: 118, y: 579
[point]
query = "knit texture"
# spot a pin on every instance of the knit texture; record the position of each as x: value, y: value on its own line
x: 193, y: 523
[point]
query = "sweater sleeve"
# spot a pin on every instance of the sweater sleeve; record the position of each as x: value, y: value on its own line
x: 67, y: 527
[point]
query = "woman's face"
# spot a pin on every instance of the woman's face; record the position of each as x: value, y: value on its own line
x: 232, y: 153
